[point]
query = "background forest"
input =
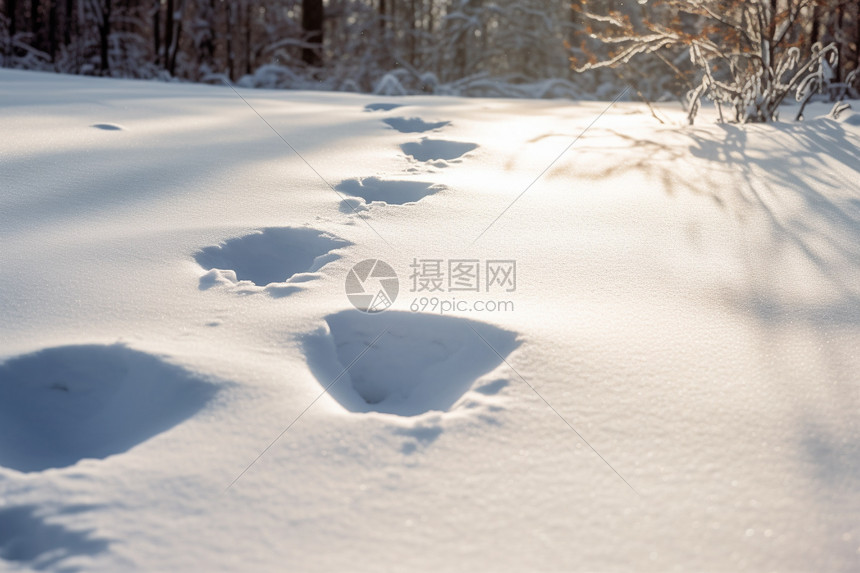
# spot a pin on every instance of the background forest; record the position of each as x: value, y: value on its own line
x: 515, y: 48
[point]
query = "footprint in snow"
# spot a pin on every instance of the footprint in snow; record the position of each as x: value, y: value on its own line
x: 107, y: 126
x: 413, y: 124
x: 274, y: 260
x: 381, y: 106
x: 437, y: 149
x: 421, y: 363
x: 393, y: 192
x: 64, y: 404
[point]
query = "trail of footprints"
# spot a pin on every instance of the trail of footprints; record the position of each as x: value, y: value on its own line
x: 281, y: 261
x: 423, y: 363
x: 55, y: 403
x: 438, y: 153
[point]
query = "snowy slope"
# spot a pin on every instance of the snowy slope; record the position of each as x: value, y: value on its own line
x: 173, y: 298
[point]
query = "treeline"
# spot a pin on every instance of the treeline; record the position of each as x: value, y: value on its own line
x: 479, y: 47
x: 336, y: 44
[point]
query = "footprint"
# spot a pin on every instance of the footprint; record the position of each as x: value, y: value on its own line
x: 381, y: 106
x: 26, y: 539
x: 107, y: 126
x: 64, y: 404
x: 393, y: 192
x: 423, y: 362
x: 433, y: 149
x: 413, y: 124
x: 272, y: 256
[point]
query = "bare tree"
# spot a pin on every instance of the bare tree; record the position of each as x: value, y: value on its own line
x: 749, y: 54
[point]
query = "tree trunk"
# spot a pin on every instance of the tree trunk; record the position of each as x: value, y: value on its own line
x: 771, y: 33
x: 412, y: 32
x: 312, y: 24
x: 176, y: 35
x: 156, y: 33
x: 34, y: 24
x: 209, y: 43
x: 104, y: 36
x: 68, y: 21
x: 52, y: 30
x: 231, y: 60
x: 175, y: 49
x: 170, y: 8
x: 430, y: 22
x: 815, y: 32
x: 12, y: 9
x: 248, y: 15
x: 840, y: 23
x: 457, y: 65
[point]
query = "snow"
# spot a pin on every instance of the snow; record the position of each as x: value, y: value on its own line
x: 174, y: 307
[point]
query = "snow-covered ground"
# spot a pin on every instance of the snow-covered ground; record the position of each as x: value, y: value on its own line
x: 173, y: 290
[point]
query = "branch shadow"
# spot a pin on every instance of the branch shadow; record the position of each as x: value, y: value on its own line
x: 799, y: 178
x: 791, y: 191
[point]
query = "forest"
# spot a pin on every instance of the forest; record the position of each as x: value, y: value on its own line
x: 531, y: 48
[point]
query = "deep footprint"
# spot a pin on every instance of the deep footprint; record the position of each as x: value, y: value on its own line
x: 393, y: 192
x: 270, y: 255
x: 61, y: 405
x: 413, y: 124
x: 423, y: 362
x: 28, y: 540
x: 433, y: 149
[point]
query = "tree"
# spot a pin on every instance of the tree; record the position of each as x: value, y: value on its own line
x: 748, y: 54
x: 312, y: 24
